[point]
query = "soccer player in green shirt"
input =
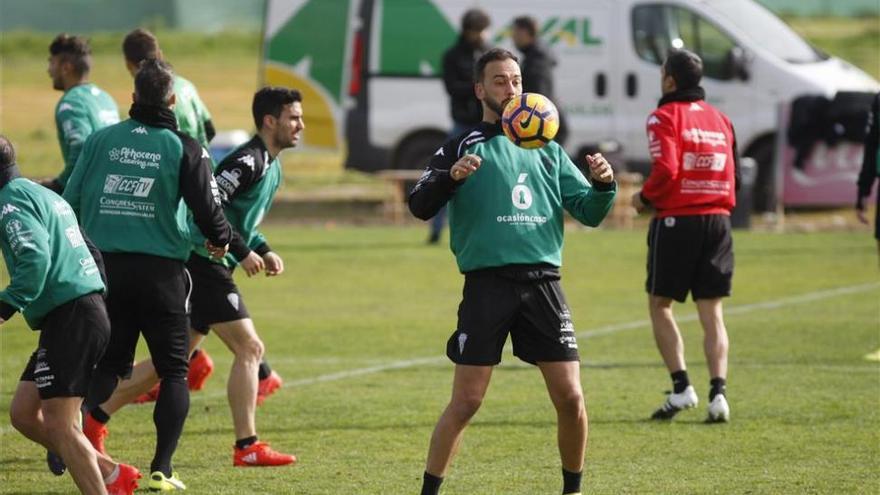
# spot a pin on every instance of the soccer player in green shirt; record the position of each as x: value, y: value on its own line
x: 83, y: 109
x: 506, y: 208
x: 56, y: 284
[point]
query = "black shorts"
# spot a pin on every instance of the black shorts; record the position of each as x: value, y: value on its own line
x: 147, y: 294
x: 215, y: 297
x: 690, y: 254
x: 533, y: 312
x: 72, y: 340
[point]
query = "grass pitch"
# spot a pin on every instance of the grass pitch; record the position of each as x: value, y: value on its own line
x: 357, y: 327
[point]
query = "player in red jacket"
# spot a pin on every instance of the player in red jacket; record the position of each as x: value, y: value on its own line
x: 692, y: 188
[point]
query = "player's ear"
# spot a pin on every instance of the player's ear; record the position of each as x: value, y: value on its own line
x: 479, y: 90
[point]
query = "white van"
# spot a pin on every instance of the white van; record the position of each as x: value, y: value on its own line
x: 371, y: 69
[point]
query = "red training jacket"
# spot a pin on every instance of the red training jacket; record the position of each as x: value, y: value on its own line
x: 693, y: 154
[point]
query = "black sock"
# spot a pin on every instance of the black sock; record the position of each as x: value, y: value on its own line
x: 679, y: 381
x: 431, y: 484
x: 169, y: 414
x: 245, y: 442
x: 100, y: 415
x: 571, y: 482
x: 717, y: 386
x: 265, y: 370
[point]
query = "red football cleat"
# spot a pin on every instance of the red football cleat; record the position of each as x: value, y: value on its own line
x: 200, y: 368
x: 126, y: 483
x: 268, y: 386
x: 96, y: 432
x: 260, y: 454
x: 150, y: 396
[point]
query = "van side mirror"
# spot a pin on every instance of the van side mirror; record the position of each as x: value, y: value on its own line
x: 738, y: 63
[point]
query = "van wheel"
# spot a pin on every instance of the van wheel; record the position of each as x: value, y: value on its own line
x: 415, y: 151
x: 764, y: 189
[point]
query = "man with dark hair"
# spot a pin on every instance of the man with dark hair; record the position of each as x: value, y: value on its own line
x: 458, y: 78
x: 193, y: 117
x: 510, y: 256
x: 127, y: 188
x: 692, y: 188
x: 248, y: 179
x: 83, y: 109
x: 56, y: 284
x: 537, y: 65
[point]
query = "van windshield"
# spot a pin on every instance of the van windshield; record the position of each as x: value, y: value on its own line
x: 768, y: 31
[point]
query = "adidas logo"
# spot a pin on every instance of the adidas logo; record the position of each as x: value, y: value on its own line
x: 695, y: 107
x: 250, y: 458
x: 653, y: 120
x: 140, y: 130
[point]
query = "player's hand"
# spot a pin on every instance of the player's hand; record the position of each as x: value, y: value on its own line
x: 216, y: 252
x: 637, y: 202
x: 464, y: 167
x: 600, y: 169
x: 274, y: 264
x: 252, y: 264
x: 861, y: 213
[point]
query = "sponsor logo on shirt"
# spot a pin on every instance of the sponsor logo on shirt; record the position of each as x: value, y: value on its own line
x: 653, y: 120
x: 228, y: 180
x: 712, y: 162
x: 140, y: 130
x: 128, y: 185
x: 247, y: 160
x: 126, y: 207
x: 715, y: 187
x: 698, y: 136
x: 131, y: 156
x: 695, y: 107
x: 61, y: 208
x: 7, y: 209
x: 19, y: 238
x: 74, y: 237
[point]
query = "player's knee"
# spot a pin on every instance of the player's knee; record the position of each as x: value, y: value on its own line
x: 659, y: 304
x: 465, y: 406
x: 22, y: 419
x: 251, y: 350
x: 57, y: 427
x: 570, y: 402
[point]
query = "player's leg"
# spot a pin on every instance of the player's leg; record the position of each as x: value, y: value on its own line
x: 241, y: 338
x: 713, y: 282
x: 673, y: 247
x: 563, y: 381
x: 469, y: 386
x: 269, y: 383
x: 61, y: 422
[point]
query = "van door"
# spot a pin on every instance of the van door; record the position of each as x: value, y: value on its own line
x: 654, y: 28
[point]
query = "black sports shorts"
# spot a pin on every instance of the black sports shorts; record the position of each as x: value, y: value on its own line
x: 532, y: 309
x: 73, y: 338
x: 215, y: 297
x: 690, y: 254
x: 148, y: 295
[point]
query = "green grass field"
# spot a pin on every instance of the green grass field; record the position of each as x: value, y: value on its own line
x: 357, y: 327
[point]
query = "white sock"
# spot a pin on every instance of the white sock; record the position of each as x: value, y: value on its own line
x: 112, y: 476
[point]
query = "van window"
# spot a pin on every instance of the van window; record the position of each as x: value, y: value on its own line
x: 657, y: 28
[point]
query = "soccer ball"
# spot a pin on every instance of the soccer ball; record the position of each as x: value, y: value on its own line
x: 530, y: 120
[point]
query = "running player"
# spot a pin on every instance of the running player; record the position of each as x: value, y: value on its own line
x: 56, y: 284
x: 127, y: 187
x: 506, y: 229
x: 248, y: 179
x: 83, y: 109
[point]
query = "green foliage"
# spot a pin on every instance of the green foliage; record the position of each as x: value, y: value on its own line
x: 804, y: 404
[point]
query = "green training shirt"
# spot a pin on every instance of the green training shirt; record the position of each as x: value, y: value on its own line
x: 82, y: 110
x: 248, y: 179
x: 190, y: 111
x: 510, y: 211
x: 129, y: 181
x: 48, y: 261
